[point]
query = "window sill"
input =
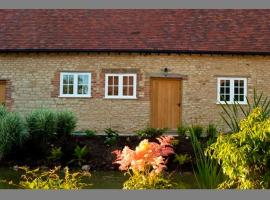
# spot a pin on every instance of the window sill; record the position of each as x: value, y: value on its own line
x: 121, y: 98
x: 72, y: 97
x: 231, y: 103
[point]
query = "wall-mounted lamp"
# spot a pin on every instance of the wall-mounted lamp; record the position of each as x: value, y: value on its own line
x: 165, y: 70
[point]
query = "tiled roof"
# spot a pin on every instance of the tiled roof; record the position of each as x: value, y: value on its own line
x: 244, y: 31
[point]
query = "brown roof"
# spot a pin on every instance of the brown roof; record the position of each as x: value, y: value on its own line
x: 242, y: 31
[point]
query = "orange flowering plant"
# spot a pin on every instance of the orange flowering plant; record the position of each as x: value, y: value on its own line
x: 146, y: 163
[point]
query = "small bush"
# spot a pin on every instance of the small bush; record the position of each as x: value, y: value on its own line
x: 211, y: 131
x: 51, y: 180
x: 182, y: 130
x: 41, y: 124
x: 56, y: 154
x: 12, y: 132
x: 197, y: 130
x: 111, y: 136
x: 3, y: 111
x: 66, y: 123
x: 80, y: 154
x: 151, y: 132
x: 90, y: 133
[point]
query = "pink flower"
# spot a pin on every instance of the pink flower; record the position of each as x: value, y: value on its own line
x: 146, y: 154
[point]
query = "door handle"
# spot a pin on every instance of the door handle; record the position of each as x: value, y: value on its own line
x: 179, y: 104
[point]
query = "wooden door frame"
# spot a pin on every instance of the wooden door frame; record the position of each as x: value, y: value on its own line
x: 180, y: 79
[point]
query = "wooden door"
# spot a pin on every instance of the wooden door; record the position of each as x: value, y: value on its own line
x: 165, y: 103
x: 2, y: 92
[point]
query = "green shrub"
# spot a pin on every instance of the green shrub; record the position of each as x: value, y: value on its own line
x: 3, y: 111
x: 111, y: 136
x: 41, y: 124
x: 139, y: 181
x: 245, y: 155
x: 182, y: 130
x: 51, y: 180
x: 13, y: 132
x: 207, y: 171
x: 151, y: 132
x: 196, y: 130
x: 233, y: 113
x: 211, y: 131
x: 80, y: 154
x: 90, y: 133
x: 66, y: 123
x: 56, y: 154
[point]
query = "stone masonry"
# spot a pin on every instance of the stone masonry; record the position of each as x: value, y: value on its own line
x: 33, y: 82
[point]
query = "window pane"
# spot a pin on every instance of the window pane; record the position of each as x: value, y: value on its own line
x: 110, y: 80
x: 227, y: 97
x: 85, y: 89
x: 236, y: 83
x: 222, y: 97
x: 115, y: 92
x: 227, y: 90
x: 115, y: 80
x: 222, y: 83
x: 130, y: 91
x: 83, y: 79
x: 228, y: 83
x: 125, y: 80
x: 80, y: 88
x: 222, y: 90
x: 65, y: 79
x: 65, y: 89
x: 125, y: 90
x: 70, y: 89
x: 236, y: 97
x: 241, y: 83
x: 110, y: 90
x: 131, y: 80
x: 241, y: 90
x: 241, y: 98
x: 70, y: 79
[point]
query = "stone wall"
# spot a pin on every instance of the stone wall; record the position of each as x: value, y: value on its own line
x: 34, y: 82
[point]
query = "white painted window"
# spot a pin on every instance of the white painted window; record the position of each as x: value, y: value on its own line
x: 120, y: 86
x: 232, y: 90
x: 73, y: 84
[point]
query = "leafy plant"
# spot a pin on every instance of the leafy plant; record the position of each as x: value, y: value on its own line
x: 56, y: 154
x: 145, y: 164
x: 182, y: 130
x: 207, y: 172
x: 80, y: 154
x: 233, y: 113
x: 36, y: 179
x: 3, y: 110
x: 245, y: 155
x: 196, y: 130
x: 111, y: 136
x: 13, y: 132
x: 151, y: 132
x: 41, y: 125
x: 182, y: 159
x: 143, y: 181
x: 90, y: 133
x: 211, y: 131
x: 66, y: 123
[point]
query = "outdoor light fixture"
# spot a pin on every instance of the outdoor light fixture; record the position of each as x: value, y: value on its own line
x: 165, y: 70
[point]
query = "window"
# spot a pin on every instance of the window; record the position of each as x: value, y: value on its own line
x: 232, y: 90
x: 120, y: 86
x: 75, y: 84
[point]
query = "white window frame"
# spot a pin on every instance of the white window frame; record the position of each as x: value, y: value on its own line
x: 231, y: 79
x: 120, y: 86
x: 75, y: 85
